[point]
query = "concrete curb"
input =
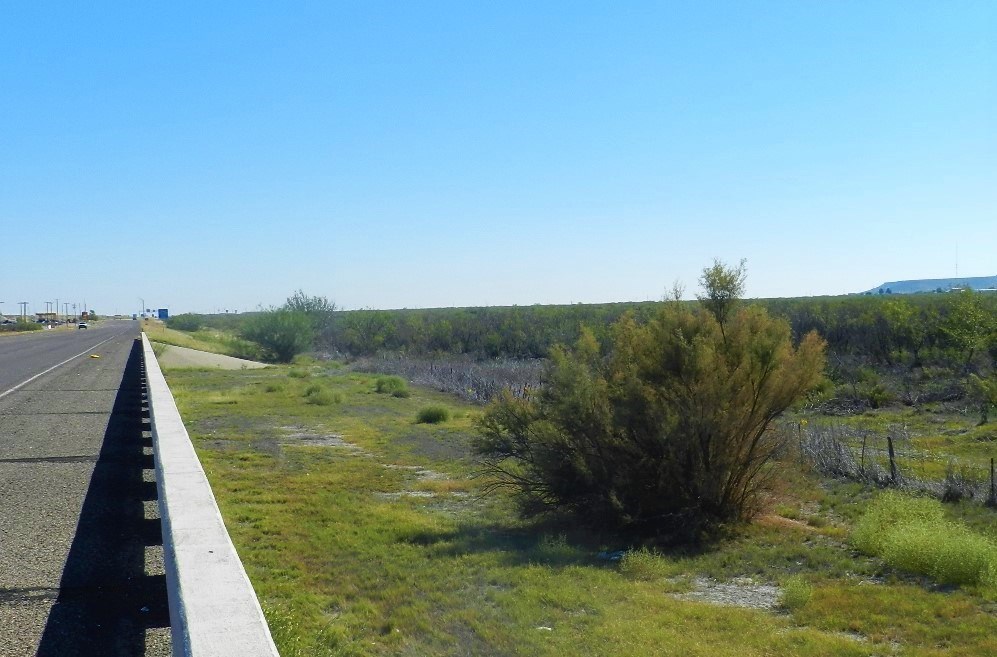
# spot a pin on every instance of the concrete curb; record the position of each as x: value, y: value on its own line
x: 213, y: 608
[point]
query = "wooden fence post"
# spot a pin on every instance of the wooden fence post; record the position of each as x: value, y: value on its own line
x: 799, y: 440
x: 893, y: 460
x: 992, y: 500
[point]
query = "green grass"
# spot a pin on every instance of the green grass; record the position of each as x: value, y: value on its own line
x: 389, y: 547
x: 211, y: 340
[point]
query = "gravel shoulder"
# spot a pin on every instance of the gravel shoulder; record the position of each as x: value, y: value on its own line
x: 181, y: 357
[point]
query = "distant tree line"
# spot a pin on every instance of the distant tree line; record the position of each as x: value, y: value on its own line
x: 958, y: 328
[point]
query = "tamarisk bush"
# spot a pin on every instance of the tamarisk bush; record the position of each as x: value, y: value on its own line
x: 668, y: 432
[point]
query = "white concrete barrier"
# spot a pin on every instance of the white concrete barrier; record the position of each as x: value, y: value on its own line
x: 213, y: 608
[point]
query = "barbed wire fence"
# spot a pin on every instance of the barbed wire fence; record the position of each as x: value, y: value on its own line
x: 475, y: 381
x: 891, y: 460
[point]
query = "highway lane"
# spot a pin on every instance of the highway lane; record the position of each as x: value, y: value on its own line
x: 80, y: 550
x: 27, y: 354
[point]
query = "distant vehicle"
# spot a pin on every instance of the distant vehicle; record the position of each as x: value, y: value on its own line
x: 82, y: 325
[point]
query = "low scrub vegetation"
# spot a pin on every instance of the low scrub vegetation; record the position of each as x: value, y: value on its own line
x: 473, y: 381
x: 20, y: 327
x: 914, y: 535
x: 433, y: 415
x: 186, y: 322
x: 395, y: 386
x: 796, y: 592
x: 320, y: 395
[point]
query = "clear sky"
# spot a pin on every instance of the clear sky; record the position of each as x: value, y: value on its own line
x: 211, y: 155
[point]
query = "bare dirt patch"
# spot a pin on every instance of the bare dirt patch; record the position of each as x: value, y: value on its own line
x: 739, y: 592
x: 300, y: 437
x: 419, y: 472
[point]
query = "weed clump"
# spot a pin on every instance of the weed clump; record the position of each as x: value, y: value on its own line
x: 433, y: 415
x: 392, y: 385
x: 273, y: 387
x: 299, y: 374
x: 892, y: 512
x: 796, y: 593
x: 643, y: 565
x: 321, y: 396
x: 913, y: 534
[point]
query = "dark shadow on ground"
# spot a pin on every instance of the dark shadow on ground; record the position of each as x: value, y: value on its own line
x: 106, y: 601
x: 556, y: 541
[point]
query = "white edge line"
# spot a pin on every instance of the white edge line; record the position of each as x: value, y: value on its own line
x: 54, y: 367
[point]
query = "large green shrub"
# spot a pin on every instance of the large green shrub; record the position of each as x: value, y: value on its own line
x: 669, y: 432
x: 283, y: 334
x: 318, y: 309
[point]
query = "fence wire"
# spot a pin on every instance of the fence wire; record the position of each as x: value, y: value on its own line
x: 890, y: 459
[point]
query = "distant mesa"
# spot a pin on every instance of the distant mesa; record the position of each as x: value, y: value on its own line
x: 979, y: 283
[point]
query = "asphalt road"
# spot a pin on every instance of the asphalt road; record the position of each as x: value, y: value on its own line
x: 81, y: 568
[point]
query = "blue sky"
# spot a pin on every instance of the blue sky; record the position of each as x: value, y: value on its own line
x: 208, y: 156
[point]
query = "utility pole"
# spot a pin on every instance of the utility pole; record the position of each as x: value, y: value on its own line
x: 65, y: 310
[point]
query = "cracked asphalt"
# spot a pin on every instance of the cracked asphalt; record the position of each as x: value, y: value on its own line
x: 81, y: 566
